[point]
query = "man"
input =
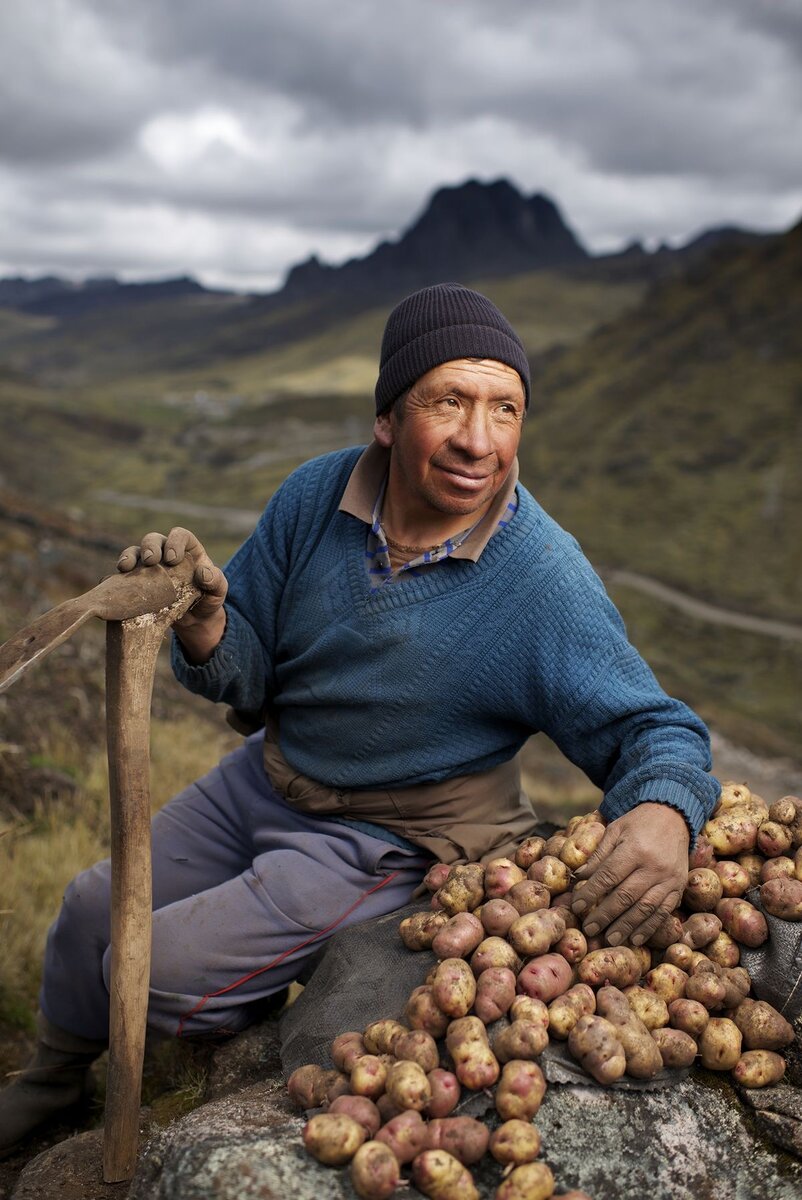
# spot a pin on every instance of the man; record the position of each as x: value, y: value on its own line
x: 403, y: 618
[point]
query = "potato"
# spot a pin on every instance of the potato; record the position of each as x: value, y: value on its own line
x: 706, y: 989
x: 346, y: 1049
x: 497, y: 916
x: 752, y: 864
x: 375, y: 1171
x: 495, y: 992
x: 546, y: 977
x: 500, y: 875
x: 677, y: 1049
x: 520, y: 1040
x: 475, y: 1064
x: 580, y: 844
x: 360, y: 1109
x: 528, y: 896
x: 407, y: 1086
x: 307, y: 1086
x: 733, y: 877
x: 759, y: 1068
x: 798, y: 863
x: 619, y: 966
x: 464, y: 1137
x: 421, y: 1012
x: 529, y: 851
x: 520, y: 1090
x: 552, y: 873
x: 667, y: 934
x: 778, y: 868
x: 565, y: 1011
x: 720, y: 1044
x: 419, y: 931
x: 454, y: 987
x: 418, y: 1046
x: 641, y: 1053
x: 445, y: 1093
x: 440, y: 1176
x: 369, y: 1076
x: 763, y: 1028
x: 742, y: 921
x: 702, y: 891
x: 459, y: 937
x: 723, y: 950
x: 702, y: 854
x: 733, y: 795
x: 689, y: 1016
x: 700, y: 929
x: 532, y: 1181
x: 494, y: 952
x: 594, y: 1043
x: 387, y: 1110
x: 573, y: 946
x: 647, y: 1006
x: 732, y: 833
x: 783, y: 810
x: 515, y: 1142
x: 333, y: 1139
x: 534, y: 932
x: 679, y: 955
x: 666, y: 981
x: 554, y: 844
x: 773, y: 839
x: 406, y: 1135
x: 380, y: 1036
x: 463, y: 890
x: 783, y: 898
x: 526, y: 1008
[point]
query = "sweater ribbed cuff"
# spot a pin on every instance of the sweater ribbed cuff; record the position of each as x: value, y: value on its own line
x: 217, y: 671
x: 660, y: 791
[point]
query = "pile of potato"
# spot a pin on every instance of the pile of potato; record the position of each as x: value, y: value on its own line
x: 512, y: 956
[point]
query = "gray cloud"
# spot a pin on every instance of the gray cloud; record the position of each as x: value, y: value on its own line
x: 231, y: 140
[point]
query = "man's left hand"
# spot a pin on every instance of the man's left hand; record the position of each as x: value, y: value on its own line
x: 637, y: 875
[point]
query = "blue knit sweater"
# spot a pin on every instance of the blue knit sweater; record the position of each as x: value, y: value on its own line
x: 448, y: 673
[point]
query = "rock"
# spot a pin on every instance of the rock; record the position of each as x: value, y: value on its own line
x: 71, y: 1170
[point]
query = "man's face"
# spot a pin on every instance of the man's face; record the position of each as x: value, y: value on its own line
x: 456, y: 439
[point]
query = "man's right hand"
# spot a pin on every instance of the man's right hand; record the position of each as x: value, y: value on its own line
x: 202, y: 627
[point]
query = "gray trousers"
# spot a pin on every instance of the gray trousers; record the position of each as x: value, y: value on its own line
x: 245, y: 890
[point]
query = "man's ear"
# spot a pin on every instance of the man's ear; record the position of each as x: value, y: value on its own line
x: 383, y: 430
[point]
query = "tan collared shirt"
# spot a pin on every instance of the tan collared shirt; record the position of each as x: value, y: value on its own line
x: 368, y: 476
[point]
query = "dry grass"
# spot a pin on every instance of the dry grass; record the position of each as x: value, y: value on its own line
x: 41, y: 854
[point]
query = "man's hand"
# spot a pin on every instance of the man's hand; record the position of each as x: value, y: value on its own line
x: 637, y: 875
x: 202, y: 627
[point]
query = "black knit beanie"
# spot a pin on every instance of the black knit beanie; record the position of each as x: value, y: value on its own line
x: 436, y: 325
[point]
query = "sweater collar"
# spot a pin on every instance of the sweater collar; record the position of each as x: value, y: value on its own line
x: 369, y: 473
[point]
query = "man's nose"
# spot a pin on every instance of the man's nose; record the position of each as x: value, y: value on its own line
x: 473, y: 434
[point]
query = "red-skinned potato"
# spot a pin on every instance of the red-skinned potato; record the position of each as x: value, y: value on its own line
x: 375, y: 1171
x: 743, y: 922
x: 679, y: 955
x: 573, y: 946
x: 419, y: 931
x: 459, y: 937
x: 778, y: 868
x: 346, y: 1049
x: 500, y: 875
x: 700, y: 929
x: 702, y: 855
x: 422, y: 1012
x: 531, y: 1181
x: 733, y: 877
x: 387, y: 1110
x: 406, y: 1135
x: 763, y: 1028
x: 497, y: 916
x: 616, y: 965
x: 440, y: 1176
x: 436, y: 876
x: 418, y: 1046
x: 529, y: 851
x: 759, y: 1068
x: 464, y: 1137
x: 495, y: 992
x: 333, y: 1138
x: 307, y: 1086
x: 516, y: 1142
x: 666, y: 934
x: 594, y: 1043
x: 445, y: 1093
x: 706, y: 989
x: 520, y: 1040
x: 359, y: 1109
x: 773, y: 839
x: 520, y: 1090
x: 782, y: 898
x: 546, y: 977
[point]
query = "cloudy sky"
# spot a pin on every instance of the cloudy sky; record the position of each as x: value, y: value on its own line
x: 231, y: 138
